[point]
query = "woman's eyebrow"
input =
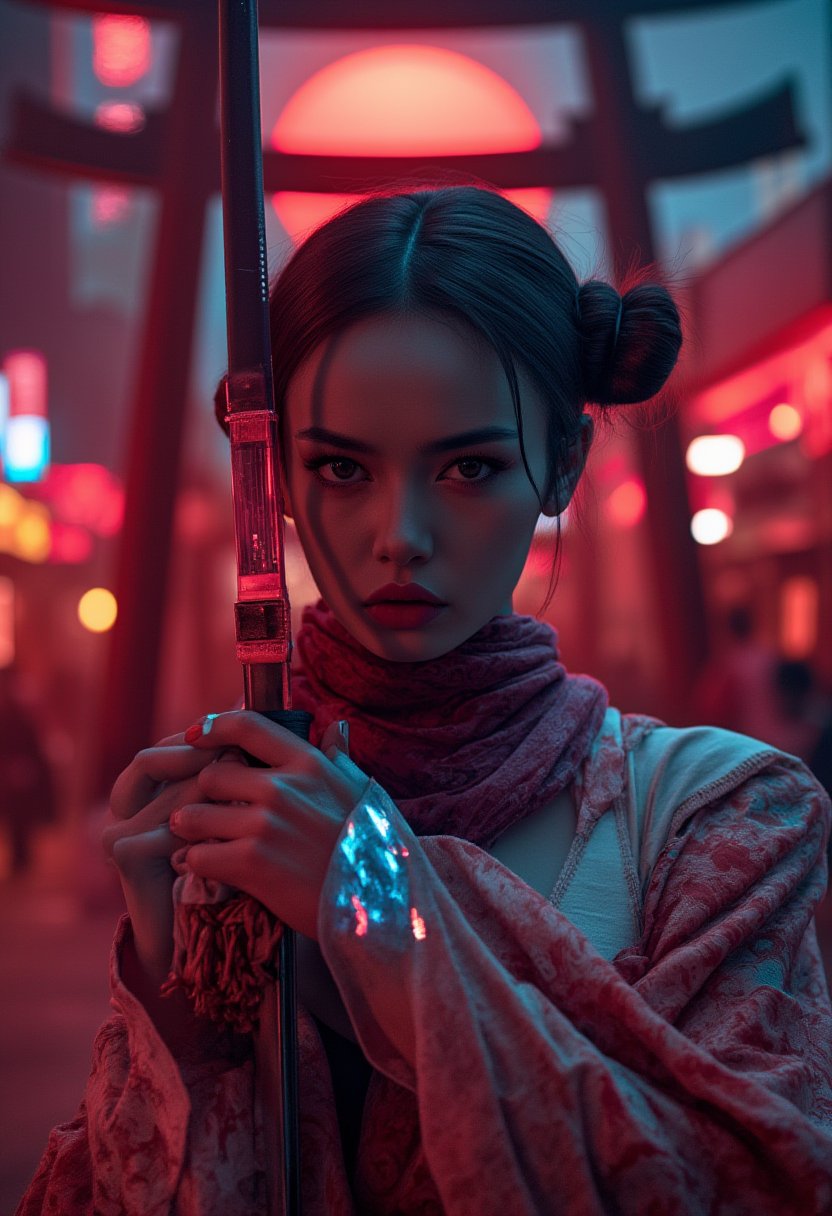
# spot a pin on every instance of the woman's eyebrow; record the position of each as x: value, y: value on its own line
x: 488, y: 434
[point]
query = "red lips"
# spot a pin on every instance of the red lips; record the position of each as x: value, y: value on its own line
x: 403, y: 593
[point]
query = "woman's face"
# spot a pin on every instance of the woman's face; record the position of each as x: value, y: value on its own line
x: 458, y: 521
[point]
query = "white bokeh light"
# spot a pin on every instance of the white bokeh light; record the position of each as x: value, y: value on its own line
x: 715, y: 455
x: 710, y: 526
x: 26, y: 448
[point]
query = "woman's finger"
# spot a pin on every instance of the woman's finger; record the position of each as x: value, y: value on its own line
x: 137, y: 785
x: 238, y: 862
x: 291, y: 891
x: 230, y: 781
x: 270, y: 743
x: 157, y: 812
x: 226, y: 860
x: 147, y: 878
x: 169, y: 739
x: 202, y: 821
x: 132, y: 853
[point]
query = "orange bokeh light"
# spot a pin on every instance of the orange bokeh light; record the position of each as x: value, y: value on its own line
x: 7, y: 623
x: 785, y: 422
x: 402, y: 100
x: 31, y: 535
x: 97, y: 610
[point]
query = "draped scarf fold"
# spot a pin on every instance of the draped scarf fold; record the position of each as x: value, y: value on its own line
x: 467, y: 743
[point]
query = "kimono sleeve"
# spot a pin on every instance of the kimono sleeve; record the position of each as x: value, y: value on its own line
x: 152, y: 1130
x: 692, y: 1074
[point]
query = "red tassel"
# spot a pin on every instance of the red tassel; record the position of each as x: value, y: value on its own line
x: 225, y: 954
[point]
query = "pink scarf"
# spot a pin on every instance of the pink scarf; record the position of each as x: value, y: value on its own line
x: 466, y: 744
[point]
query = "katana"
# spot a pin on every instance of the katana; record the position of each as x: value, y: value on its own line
x: 262, y: 610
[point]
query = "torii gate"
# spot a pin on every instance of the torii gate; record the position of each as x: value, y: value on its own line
x: 619, y: 150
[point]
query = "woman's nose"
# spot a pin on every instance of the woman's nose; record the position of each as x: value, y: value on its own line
x: 405, y: 529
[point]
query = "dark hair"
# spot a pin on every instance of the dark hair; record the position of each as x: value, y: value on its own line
x: 466, y: 252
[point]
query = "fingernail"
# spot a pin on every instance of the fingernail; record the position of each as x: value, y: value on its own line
x: 344, y: 731
x: 200, y: 728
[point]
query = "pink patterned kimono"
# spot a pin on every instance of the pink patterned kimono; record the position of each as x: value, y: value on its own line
x: 654, y: 1039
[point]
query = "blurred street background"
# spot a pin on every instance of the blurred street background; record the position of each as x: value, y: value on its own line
x: 54, y: 950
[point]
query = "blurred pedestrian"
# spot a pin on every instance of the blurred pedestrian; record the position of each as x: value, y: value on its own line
x: 736, y: 689
x: 806, y: 717
x: 27, y: 788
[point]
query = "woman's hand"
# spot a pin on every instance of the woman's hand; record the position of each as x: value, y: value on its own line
x: 276, y: 846
x: 139, y: 842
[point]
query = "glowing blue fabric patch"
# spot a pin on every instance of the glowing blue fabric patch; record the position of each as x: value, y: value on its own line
x: 369, y: 874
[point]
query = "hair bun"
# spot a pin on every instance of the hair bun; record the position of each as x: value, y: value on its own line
x: 629, y: 342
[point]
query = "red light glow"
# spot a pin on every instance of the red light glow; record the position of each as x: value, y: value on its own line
x: 119, y: 116
x: 799, y: 599
x: 70, y: 543
x: 627, y: 504
x: 26, y: 374
x: 110, y: 205
x: 401, y: 100
x: 121, y: 49
x: 816, y: 439
x: 86, y: 495
x: 360, y: 917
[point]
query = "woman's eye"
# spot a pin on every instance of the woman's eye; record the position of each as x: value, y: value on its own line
x: 466, y: 463
x: 322, y: 461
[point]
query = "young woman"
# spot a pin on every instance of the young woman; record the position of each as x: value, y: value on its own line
x: 554, y: 959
